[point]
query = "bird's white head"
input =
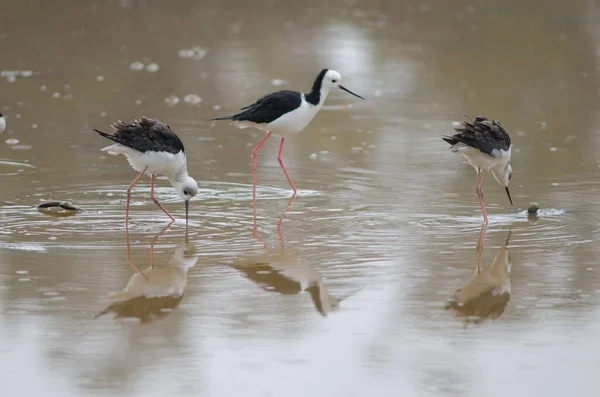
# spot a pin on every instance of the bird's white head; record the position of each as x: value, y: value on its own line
x: 186, y: 188
x: 333, y: 79
x: 503, y: 175
x: 2, y: 123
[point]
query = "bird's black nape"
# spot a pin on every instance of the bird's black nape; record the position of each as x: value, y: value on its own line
x: 314, y: 96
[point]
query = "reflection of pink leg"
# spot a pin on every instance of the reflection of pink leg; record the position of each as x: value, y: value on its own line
x: 153, y: 197
x: 479, y: 189
x: 254, y: 153
x: 479, y: 249
x: 280, y: 223
x: 137, y: 178
x: 128, y: 254
x: 155, y: 240
x: 283, y: 167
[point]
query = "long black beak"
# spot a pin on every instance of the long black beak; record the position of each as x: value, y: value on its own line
x: 350, y: 92
x: 187, y: 206
x: 508, y: 192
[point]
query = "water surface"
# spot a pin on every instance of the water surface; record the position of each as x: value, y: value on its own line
x: 344, y: 290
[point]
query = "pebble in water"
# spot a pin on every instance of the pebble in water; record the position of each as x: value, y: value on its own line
x: 12, y: 141
x: 21, y: 147
x: 99, y: 78
x: 152, y: 67
x: 193, y: 53
x: 171, y: 100
x: 532, y: 213
x: 192, y: 99
x: 533, y: 208
x: 136, y: 66
x: 277, y: 82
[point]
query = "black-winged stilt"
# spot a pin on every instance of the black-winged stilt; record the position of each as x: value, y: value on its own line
x: 2, y: 123
x: 487, y: 147
x: 152, y: 148
x: 286, y: 113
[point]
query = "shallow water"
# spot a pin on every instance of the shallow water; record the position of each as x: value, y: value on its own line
x: 342, y: 291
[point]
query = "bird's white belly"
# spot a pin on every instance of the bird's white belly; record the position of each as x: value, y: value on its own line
x: 159, y: 163
x: 293, y: 122
x: 478, y: 159
x: 287, y: 125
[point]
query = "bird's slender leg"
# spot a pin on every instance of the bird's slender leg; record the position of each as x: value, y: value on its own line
x: 156, y: 201
x: 481, y: 174
x: 137, y: 178
x: 254, y: 153
x: 283, y: 167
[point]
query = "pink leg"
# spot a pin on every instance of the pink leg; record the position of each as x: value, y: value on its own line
x: 254, y: 153
x: 137, y: 178
x: 479, y: 190
x: 156, y: 201
x: 283, y: 167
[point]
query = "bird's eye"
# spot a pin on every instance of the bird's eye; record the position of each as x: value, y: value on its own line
x: 334, y: 81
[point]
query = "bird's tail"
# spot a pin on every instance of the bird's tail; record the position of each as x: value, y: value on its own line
x: 450, y: 139
x: 104, y: 134
x: 222, y: 118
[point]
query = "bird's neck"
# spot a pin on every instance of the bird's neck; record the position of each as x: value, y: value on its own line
x: 317, y: 96
x: 179, y: 175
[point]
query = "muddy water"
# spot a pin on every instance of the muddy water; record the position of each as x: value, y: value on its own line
x: 351, y: 288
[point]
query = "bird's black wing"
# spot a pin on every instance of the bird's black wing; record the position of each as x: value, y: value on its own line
x: 268, y: 108
x: 145, y: 135
x: 481, y: 134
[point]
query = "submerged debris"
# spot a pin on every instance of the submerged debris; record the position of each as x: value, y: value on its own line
x: 58, y: 208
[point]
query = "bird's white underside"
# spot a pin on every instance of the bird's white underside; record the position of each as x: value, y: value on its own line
x: 290, y: 123
x: 477, y: 159
x: 2, y: 124
x: 159, y: 163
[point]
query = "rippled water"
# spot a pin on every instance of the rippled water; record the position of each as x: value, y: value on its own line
x: 365, y: 282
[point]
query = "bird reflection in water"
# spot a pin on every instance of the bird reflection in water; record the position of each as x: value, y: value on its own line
x: 283, y: 271
x: 152, y: 294
x: 487, y: 292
